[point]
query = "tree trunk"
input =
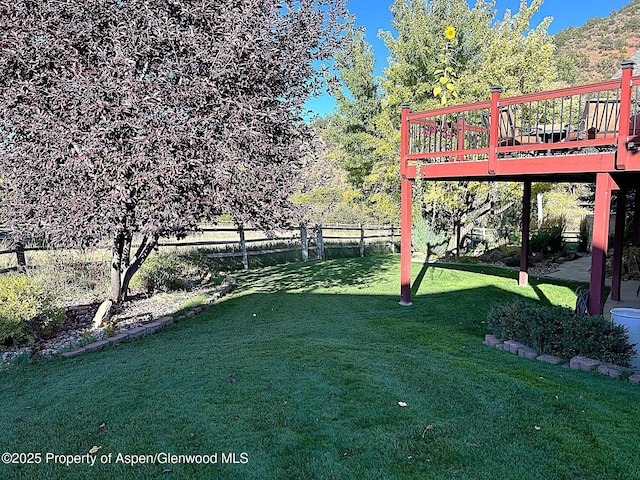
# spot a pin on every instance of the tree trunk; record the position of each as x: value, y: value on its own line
x: 116, y: 266
x: 144, y: 250
x: 123, y: 267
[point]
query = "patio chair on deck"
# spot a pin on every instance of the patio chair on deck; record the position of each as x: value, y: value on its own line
x: 508, y: 133
x: 601, y: 119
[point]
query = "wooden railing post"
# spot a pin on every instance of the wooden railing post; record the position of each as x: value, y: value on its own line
x: 625, y: 114
x: 460, y: 128
x: 22, y: 263
x: 494, y: 130
x: 393, y: 240
x: 304, y: 240
x: 362, y: 240
x: 319, y: 242
x: 243, y: 247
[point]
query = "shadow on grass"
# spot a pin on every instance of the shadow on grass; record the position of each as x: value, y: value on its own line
x: 418, y: 280
x: 313, y: 275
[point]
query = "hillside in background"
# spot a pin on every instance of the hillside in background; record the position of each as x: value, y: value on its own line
x: 599, y: 46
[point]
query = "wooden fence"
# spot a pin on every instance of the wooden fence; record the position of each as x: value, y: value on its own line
x: 227, y: 240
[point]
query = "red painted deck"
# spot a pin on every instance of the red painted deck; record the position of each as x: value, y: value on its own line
x: 588, y: 133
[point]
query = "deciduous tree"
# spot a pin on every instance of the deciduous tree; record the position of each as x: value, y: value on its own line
x: 127, y: 117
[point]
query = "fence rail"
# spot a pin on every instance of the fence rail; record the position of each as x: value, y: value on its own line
x: 234, y: 241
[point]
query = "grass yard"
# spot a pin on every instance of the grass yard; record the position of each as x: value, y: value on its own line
x: 322, y: 353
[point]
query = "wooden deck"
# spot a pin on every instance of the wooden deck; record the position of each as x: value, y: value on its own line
x: 587, y: 133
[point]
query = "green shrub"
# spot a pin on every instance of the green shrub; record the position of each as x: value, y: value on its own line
x: 27, y: 310
x: 161, y: 273
x: 427, y: 240
x: 548, y: 238
x: 559, y: 331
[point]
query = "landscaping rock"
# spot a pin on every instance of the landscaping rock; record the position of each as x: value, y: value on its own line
x: 583, y: 363
x: 553, y: 360
x: 95, y: 346
x: 166, y: 320
x: 74, y: 353
x: 589, y: 364
x: 121, y: 337
x: 103, y: 314
x: 137, y: 332
x: 527, y: 352
x: 635, y: 378
x: 513, y: 346
x: 611, y: 370
x: 491, y: 340
x: 153, y: 327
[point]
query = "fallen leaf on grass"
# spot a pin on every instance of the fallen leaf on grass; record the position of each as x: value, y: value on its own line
x: 428, y: 428
x: 402, y: 404
x: 167, y: 470
x: 102, y: 426
x: 536, y: 427
x: 94, y: 449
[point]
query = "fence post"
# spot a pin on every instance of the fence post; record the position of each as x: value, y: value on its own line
x: 319, y: 241
x: 393, y: 240
x: 362, y: 240
x: 22, y: 263
x: 243, y: 246
x: 304, y: 240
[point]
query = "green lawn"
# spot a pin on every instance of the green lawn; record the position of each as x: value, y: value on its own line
x: 322, y: 353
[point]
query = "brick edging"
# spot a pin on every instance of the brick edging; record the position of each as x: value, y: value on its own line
x: 576, y: 363
x: 149, y: 328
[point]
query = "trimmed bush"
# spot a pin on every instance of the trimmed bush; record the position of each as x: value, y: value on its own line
x: 559, y: 331
x: 161, y: 273
x: 27, y: 310
x: 548, y: 238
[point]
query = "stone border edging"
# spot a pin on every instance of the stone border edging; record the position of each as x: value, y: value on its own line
x: 148, y: 328
x: 576, y: 363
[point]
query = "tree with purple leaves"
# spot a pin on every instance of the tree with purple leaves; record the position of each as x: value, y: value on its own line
x: 129, y: 120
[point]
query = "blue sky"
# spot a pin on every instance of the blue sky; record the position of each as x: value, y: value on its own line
x: 374, y: 15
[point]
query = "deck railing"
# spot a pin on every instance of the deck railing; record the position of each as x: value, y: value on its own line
x: 588, y: 119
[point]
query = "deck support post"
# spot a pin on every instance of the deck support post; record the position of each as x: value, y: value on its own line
x: 600, y: 240
x: 618, y: 244
x: 635, y: 240
x: 405, y: 215
x: 523, y: 278
x: 405, y: 243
